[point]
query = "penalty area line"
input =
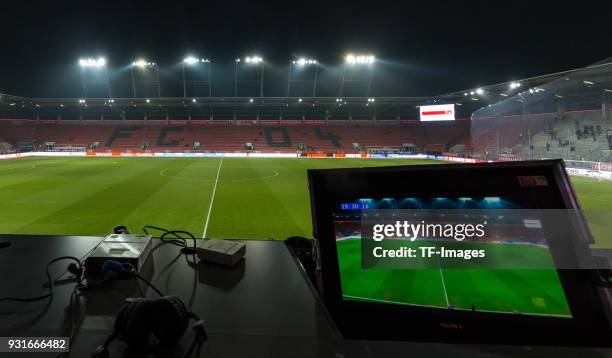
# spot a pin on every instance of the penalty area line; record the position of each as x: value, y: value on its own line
x: 212, y: 199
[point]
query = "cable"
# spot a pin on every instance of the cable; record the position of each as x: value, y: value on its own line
x: 50, y: 280
x: 176, y: 240
x: 132, y: 271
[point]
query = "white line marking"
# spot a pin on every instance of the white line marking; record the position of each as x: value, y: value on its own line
x: 212, y: 199
x: 443, y: 284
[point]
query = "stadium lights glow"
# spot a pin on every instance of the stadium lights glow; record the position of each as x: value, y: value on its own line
x: 479, y: 91
x: 304, y: 61
x: 465, y: 94
x: 148, y: 100
x: 371, y: 100
x: 92, y: 62
x: 472, y: 93
x: 514, y: 85
x: 191, y: 60
x: 359, y: 59
x: 142, y: 63
x: 81, y: 101
x: 300, y: 100
x: 193, y: 100
x: 251, y: 100
x: 253, y: 59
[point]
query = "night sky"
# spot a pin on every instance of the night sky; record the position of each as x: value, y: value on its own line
x: 424, y: 47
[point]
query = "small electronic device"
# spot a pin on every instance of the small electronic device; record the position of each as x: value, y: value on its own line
x: 553, y: 303
x: 121, y: 247
x: 223, y: 252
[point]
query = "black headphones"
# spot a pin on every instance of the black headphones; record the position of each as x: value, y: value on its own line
x: 166, y: 318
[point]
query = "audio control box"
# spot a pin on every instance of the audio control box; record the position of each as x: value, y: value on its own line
x: 124, y: 248
x: 223, y: 252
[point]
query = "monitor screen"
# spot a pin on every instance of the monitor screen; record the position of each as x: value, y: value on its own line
x: 512, y: 287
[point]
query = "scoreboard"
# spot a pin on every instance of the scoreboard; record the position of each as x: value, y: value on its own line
x: 439, y: 112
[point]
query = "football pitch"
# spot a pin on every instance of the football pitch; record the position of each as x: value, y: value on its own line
x: 528, y: 291
x: 243, y: 198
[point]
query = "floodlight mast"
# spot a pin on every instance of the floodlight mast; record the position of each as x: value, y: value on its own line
x: 94, y: 64
x: 249, y: 60
x: 193, y: 61
x: 358, y: 60
x: 143, y: 65
x: 303, y: 62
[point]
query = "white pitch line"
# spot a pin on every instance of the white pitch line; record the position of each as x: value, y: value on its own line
x: 443, y: 284
x: 212, y: 199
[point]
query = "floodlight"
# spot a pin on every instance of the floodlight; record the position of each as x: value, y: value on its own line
x: 92, y: 62
x: 352, y: 59
x: 142, y: 63
x: 253, y: 59
x: 514, y: 85
x: 191, y: 60
x: 193, y: 100
x: 300, y: 100
x: 304, y: 61
x: 479, y: 91
x: 148, y: 100
x: 251, y: 100
x: 371, y: 100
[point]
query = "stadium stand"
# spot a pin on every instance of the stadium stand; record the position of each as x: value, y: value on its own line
x: 226, y: 136
x: 575, y: 135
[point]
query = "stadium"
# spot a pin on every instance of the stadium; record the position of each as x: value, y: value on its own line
x: 214, y: 147
x: 206, y: 204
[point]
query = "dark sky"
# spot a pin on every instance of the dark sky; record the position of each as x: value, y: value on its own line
x: 424, y: 47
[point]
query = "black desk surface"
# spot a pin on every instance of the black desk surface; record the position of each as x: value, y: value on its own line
x: 262, y: 308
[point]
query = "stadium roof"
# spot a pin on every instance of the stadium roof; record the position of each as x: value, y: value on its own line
x: 578, y: 84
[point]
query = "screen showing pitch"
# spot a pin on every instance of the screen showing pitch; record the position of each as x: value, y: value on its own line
x: 535, y: 291
x: 439, y: 112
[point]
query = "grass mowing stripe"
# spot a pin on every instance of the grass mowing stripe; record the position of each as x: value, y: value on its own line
x: 212, y: 199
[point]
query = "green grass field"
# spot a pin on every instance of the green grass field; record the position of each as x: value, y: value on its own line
x: 254, y: 198
x: 251, y: 199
